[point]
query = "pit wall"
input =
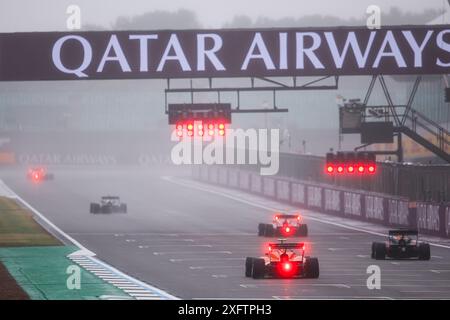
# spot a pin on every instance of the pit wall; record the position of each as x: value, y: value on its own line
x: 390, y: 211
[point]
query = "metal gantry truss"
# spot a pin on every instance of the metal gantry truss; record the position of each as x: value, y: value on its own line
x: 407, y: 120
x: 270, y: 85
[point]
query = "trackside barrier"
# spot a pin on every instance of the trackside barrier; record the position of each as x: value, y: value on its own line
x: 447, y: 219
x: 391, y: 211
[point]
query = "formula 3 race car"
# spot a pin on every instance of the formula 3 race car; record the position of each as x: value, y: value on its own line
x: 109, y: 204
x: 284, y: 225
x: 401, y: 244
x: 283, y: 260
x: 39, y: 174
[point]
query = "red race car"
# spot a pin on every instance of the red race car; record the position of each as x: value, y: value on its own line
x: 284, y: 225
x: 283, y: 260
x: 39, y: 174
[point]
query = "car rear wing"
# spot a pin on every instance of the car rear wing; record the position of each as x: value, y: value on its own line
x: 110, y: 198
x: 403, y: 232
x: 286, y: 216
x: 299, y: 245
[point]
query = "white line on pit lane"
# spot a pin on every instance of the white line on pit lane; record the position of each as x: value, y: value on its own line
x: 190, y: 252
x: 213, y: 267
x: 439, y: 271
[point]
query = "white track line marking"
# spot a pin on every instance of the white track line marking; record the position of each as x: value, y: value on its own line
x: 189, y: 252
x: 205, y: 259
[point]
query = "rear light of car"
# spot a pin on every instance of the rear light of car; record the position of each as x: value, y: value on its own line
x: 287, y: 266
x: 286, y: 269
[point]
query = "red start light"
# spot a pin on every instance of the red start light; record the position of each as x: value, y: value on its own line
x: 351, y: 169
x: 371, y: 169
x: 221, y: 126
x: 360, y: 168
x: 340, y: 169
x: 330, y: 169
x: 190, y: 126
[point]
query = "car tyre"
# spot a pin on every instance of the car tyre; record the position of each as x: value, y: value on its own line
x: 302, y: 230
x: 312, y: 268
x: 380, y: 251
x: 258, y: 268
x: 270, y: 230
x: 424, y: 251
x: 95, y: 208
x: 261, y: 230
x: 248, y: 266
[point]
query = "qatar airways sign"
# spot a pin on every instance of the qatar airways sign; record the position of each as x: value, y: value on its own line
x: 224, y: 53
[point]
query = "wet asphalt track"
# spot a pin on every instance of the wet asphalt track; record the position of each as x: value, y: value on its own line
x: 193, y: 243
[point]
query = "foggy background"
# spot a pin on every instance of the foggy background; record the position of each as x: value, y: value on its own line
x: 138, y: 105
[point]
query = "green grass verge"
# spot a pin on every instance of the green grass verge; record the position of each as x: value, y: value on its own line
x: 19, y: 229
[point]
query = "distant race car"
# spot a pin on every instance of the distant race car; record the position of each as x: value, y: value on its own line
x: 109, y: 204
x: 401, y: 244
x: 283, y: 260
x: 284, y: 225
x: 39, y: 174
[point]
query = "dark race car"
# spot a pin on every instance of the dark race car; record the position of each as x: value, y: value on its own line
x: 109, y: 204
x: 39, y: 174
x: 401, y: 244
x: 284, y: 225
x: 283, y: 260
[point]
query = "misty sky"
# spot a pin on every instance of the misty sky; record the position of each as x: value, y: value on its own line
x: 45, y: 15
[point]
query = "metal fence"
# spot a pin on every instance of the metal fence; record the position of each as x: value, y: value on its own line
x: 416, y: 182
